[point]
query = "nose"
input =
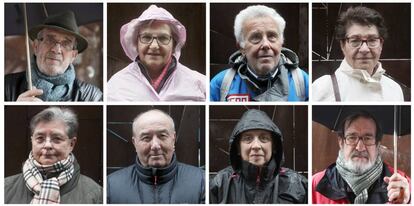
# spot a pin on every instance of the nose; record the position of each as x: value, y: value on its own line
x: 256, y: 144
x: 57, y: 48
x: 155, y: 144
x: 360, y: 145
x: 48, y: 143
x: 364, y: 48
x: 154, y: 43
x: 265, y: 44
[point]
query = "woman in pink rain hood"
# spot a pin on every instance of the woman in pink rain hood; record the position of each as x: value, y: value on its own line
x: 153, y: 42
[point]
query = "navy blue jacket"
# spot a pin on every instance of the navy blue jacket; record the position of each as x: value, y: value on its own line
x: 175, y: 184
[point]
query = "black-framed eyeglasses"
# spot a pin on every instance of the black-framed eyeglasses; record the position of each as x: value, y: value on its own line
x: 357, y: 42
x: 51, y: 42
x: 354, y: 139
x: 163, y: 39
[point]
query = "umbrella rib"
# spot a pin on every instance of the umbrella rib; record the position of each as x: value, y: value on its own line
x: 45, y: 10
x: 337, y: 118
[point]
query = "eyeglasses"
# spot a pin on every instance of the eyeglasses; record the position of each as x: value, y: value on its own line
x: 65, y: 44
x: 371, y: 42
x: 353, y: 140
x: 163, y: 39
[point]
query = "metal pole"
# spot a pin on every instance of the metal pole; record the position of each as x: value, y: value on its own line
x: 395, y: 138
x: 29, y: 70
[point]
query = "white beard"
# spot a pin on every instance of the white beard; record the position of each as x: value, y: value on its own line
x: 357, y: 167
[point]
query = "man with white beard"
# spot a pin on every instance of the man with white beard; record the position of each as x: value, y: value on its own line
x: 359, y: 175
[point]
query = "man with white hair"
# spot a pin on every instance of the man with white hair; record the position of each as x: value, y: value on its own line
x: 359, y: 175
x: 262, y: 70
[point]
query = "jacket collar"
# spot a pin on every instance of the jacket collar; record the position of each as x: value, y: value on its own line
x: 155, y: 176
x: 334, y: 187
x: 69, y: 186
x: 360, y: 74
x: 258, y: 176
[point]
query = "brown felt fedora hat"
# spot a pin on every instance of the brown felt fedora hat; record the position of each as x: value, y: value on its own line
x: 64, y: 21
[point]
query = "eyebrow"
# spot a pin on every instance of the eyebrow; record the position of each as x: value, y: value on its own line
x: 65, y: 37
x: 157, y: 131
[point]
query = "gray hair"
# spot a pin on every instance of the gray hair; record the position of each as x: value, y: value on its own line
x: 134, y: 124
x: 66, y: 115
x: 256, y: 11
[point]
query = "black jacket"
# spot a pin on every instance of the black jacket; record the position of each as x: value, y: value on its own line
x: 16, y: 83
x: 334, y: 187
x: 175, y: 184
x: 243, y: 182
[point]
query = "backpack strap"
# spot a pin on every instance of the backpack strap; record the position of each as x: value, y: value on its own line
x: 335, y: 88
x: 226, y: 83
x: 299, y: 82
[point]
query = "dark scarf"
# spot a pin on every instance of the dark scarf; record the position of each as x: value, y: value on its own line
x: 171, y: 68
x: 55, y: 88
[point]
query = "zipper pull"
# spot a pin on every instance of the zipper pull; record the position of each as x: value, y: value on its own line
x: 155, y: 177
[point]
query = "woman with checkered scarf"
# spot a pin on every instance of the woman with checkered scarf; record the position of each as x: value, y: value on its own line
x: 51, y: 174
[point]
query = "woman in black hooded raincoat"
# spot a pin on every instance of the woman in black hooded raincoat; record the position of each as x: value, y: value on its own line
x: 244, y: 182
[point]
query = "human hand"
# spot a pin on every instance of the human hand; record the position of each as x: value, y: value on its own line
x: 30, y: 95
x: 398, y: 189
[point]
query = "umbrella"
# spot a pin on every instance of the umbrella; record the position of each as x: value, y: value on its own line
x: 36, y: 12
x: 332, y: 116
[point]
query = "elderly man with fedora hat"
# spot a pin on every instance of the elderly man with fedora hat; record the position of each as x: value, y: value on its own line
x: 56, y: 44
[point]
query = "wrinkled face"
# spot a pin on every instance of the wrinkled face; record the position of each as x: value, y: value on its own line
x: 50, y: 143
x: 256, y: 146
x: 360, y: 157
x: 364, y: 57
x: 154, y: 140
x: 155, y: 54
x: 263, y: 43
x: 54, y: 52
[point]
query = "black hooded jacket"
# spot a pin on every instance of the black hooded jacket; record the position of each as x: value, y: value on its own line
x: 243, y: 182
x: 175, y: 184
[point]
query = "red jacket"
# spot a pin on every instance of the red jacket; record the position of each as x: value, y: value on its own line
x: 329, y: 188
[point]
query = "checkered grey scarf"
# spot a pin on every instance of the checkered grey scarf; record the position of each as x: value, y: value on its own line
x: 359, y: 183
x: 47, y: 191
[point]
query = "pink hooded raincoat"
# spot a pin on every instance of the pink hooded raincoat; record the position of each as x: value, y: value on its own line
x: 130, y: 84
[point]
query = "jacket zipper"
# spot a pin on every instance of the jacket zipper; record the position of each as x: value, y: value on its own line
x: 258, y: 178
x: 155, y: 190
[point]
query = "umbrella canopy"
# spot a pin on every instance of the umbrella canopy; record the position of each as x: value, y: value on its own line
x: 36, y: 13
x: 332, y: 116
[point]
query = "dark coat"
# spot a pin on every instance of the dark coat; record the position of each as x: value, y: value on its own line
x: 328, y: 187
x: 16, y: 83
x: 243, y: 182
x: 175, y: 184
x: 79, y: 190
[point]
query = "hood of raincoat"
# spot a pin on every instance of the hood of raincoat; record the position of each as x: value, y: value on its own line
x: 129, y: 31
x: 255, y: 119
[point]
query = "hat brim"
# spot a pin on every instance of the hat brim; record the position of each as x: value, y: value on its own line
x: 81, y: 41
